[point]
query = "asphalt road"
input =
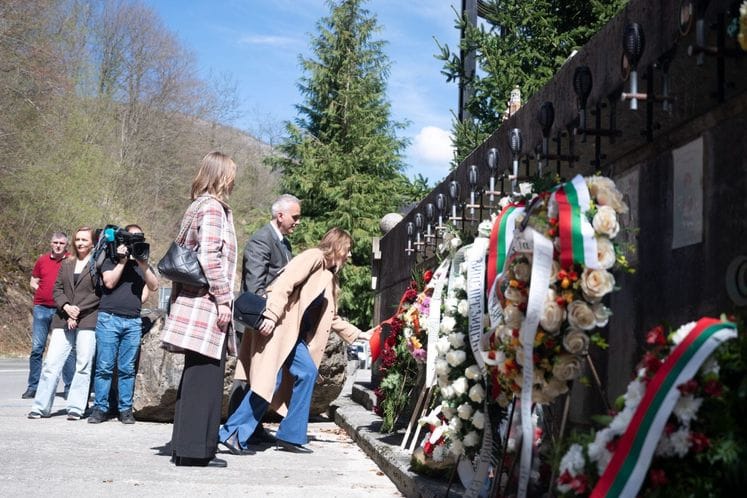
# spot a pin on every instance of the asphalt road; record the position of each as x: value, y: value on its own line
x: 56, y: 457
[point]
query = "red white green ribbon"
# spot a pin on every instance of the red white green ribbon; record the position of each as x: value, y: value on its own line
x: 629, y: 464
x: 577, y: 242
x: 501, y: 236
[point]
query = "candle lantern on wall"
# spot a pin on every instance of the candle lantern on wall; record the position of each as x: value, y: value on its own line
x: 472, y: 179
x: 514, y: 144
x: 546, y: 118
x: 410, y: 228
x: 454, y: 191
x: 492, y: 161
x: 582, y: 83
x: 633, y: 44
x: 441, y: 207
x: 419, y: 225
x: 430, y: 216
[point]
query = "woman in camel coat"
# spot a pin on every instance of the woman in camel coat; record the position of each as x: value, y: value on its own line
x: 301, y: 312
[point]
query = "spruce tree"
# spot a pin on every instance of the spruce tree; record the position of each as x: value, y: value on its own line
x: 518, y: 43
x: 342, y: 157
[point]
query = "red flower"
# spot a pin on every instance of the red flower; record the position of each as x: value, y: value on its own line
x: 658, y: 478
x: 689, y: 387
x: 410, y: 295
x: 651, y: 363
x: 428, y: 448
x: 612, y: 445
x: 713, y: 388
x: 579, y: 484
x: 699, y: 442
x: 427, y: 276
x: 656, y: 336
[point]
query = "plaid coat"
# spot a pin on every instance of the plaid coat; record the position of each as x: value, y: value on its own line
x: 288, y: 297
x: 192, y: 323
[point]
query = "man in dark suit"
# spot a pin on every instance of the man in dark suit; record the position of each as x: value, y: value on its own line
x: 266, y: 254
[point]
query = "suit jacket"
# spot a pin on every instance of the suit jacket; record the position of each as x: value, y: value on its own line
x: 264, y: 257
x: 192, y: 323
x: 82, y: 294
x: 304, y: 280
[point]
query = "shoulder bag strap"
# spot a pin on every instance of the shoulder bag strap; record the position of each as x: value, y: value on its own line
x: 187, y: 221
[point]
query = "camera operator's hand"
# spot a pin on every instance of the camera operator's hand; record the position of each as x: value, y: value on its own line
x: 122, y: 252
x: 224, y: 315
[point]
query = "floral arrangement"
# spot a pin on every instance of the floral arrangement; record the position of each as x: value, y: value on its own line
x: 573, y: 309
x: 700, y: 451
x: 742, y: 36
x: 403, y: 349
x: 458, y: 419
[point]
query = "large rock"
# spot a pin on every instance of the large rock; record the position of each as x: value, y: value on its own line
x: 159, y: 372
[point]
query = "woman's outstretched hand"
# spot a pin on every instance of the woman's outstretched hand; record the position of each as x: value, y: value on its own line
x: 366, y: 336
x: 266, y: 327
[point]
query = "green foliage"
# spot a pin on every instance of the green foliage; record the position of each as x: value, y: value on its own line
x: 520, y: 43
x: 342, y: 156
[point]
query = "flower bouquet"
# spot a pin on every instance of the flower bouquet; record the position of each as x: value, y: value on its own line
x: 679, y: 426
x: 579, y: 221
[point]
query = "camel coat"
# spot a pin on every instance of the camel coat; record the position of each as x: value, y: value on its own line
x: 303, y: 280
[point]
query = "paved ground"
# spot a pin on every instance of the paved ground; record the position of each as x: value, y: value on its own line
x: 55, y: 457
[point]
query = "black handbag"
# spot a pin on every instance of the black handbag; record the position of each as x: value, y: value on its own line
x: 180, y: 264
x: 248, y: 309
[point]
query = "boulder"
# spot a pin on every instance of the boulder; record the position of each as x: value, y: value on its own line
x: 159, y: 373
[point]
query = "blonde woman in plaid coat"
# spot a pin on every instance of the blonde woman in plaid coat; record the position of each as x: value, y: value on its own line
x: 200, y: 320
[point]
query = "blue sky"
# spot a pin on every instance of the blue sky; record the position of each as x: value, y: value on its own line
x: 258, y: 43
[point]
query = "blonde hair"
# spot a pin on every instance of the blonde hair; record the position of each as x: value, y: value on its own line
x: 82, y: 229
x: 215, y: 176
x: 335, y: 245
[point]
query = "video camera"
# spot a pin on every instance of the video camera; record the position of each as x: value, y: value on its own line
x: 135, y: 243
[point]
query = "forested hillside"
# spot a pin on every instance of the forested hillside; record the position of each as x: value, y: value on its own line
x: 103, y: 119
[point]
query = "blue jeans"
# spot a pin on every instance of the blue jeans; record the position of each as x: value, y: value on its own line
x: 39, y: 331
x: 253, y: 407
x: 117, y: 341
x: 60, y: 345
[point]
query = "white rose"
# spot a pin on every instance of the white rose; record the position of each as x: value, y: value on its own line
x: 513, y: 316
x: 442, y: 367
x: 459, y: 283
x: 477, y: 393
x: 605, y: 221
x: 456, y: 448
x: 522, y: 271
x: 447, y: 410
x: 552, y: 316
x: 602, y: 314
x: 605, y: 253
x: 504, y: 201
x: 566, y: 367
x: 478, y: 420
x: 605, y: 193
x: 525, y: 188
x: 456, y: 339
x: 514, y: 295
x: 460, y: 386
x: 465, y: 411
x: 463, y: 307
x: 580, y: 315
x: 447, y: 324
x: 556, y: 387
x: 456, y: 242
x: 407, y: 331
x: 471, y: 439
x: 472, y: 372
x: 447, y: 392
x: 443, y: 380
x: 456, y: 357
x: 596, y: 284
x: 442, y: 345
x: 450, y: 305
x: 554, y: 271
x: 576, y: 342
x: 455, y: 425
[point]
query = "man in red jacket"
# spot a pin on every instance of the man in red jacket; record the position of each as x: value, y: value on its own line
x: 42, y: 281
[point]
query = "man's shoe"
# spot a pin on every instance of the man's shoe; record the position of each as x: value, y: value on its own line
x: 200, y: 462
x: 29, y: 394
x: 34, y: 415
x: 96, y: 417
x: 291, y: 447
x: 261, y: 436
x: 126, y: 417
x: 73, y: 416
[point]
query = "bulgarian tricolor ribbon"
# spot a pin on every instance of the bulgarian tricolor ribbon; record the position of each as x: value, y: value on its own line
x: 501, y: 236
x: 630, y: 462
x: 577, y: 242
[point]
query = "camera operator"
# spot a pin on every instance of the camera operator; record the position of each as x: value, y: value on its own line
x: 127, y: 281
